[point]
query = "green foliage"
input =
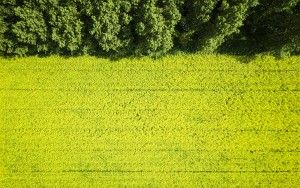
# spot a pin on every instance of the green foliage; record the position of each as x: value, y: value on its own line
x: 109, y: 18
x: 30, y: 31
x: 148, y: 27
x: 66, y: 28
x: 3, y: 29
x: 155, y: 28
x: 196, y: 16
x: 276, y: 26
x: 207, y: 23
x: 278, y: 6
x: 6, y: 21
x: 229, y: 20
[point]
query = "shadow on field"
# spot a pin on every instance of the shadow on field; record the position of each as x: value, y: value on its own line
x: 243, y: 54
x: 245, y: 59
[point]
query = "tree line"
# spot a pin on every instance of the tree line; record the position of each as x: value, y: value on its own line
x: 148, y: 27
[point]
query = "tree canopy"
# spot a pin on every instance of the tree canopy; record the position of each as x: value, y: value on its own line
x: 148, y: 27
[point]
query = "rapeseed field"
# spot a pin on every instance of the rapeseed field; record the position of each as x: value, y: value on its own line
x: 178, y: 121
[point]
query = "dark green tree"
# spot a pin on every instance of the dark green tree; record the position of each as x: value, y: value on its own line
x: 110, y: 20
x: 195, y: 18
x: 66, y: 28
x: 7, y: 18
x: 275, y: 26
x: 229, y: 20
x: 207, y: 24
x: 30, y: 31
x: 3, y: 29
x: 155, y: 23
x: 146, y: 27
